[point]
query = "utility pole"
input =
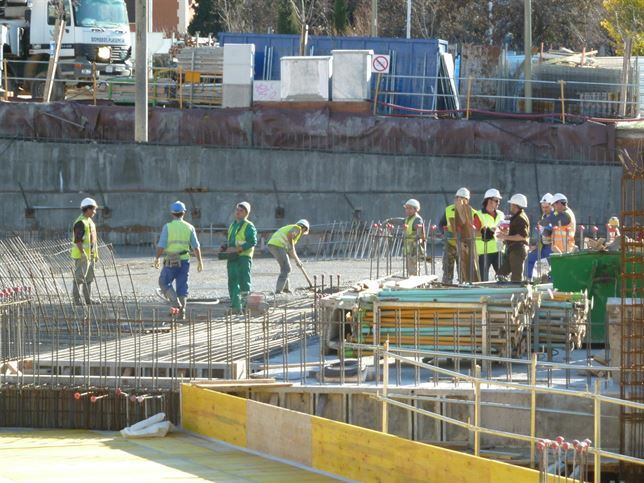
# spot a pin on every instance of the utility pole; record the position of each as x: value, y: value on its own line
x: 527, y: 48
x: 409, y: 19
x: 142, y: 75
x: 59, y: 30
x: 374, y: 18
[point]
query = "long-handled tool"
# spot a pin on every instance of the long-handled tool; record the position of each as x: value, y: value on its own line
x: 306, y: 275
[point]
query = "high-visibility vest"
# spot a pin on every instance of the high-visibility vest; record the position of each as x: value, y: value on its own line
x: 240, y: 238
x: 487, y: 221
x: 280, y: 237
x: 89, y: 239
x: 179, y: 234
x: 410, y: 232
x: 450, y: 213
x: 563, y: 237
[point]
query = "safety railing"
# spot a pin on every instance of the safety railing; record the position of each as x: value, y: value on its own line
x: 563, y: 100
x: 168, y: 86
x: 598, y: 399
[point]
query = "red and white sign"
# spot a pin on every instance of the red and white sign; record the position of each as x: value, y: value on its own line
x: 380, y: 64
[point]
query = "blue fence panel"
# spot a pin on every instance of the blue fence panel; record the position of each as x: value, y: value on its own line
x: 417, y: 58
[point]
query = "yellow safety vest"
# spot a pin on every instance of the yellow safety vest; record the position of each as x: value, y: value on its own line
x: 89, y: 239
x: 410, y: 233
x: 240, y: 238
x: 280, y: 237
x: 490, y: 246
x: 179, y: 233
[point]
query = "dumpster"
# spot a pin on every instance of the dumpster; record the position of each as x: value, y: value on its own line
x: 597, y: 272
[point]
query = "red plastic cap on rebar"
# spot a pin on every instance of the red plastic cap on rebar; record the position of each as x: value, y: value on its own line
x: 554, y: 445
x: 93, y: 399
x: 140, y: 399
x: 133, y: 398
x: 575, y: 442
x: 595, y: 228
x: 588, y: 441
x: 118, y: 392
x: 77, y: 395
x: 582, y: 227
x: 566, y: 446
x: 375, y: 225
x: 540, y: 445
x: 434, y: 228
x: 559, y: 439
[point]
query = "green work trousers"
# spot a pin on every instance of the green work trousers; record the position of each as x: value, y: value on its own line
x: 239, y: 280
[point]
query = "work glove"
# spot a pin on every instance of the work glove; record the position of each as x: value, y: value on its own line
x: 200, y: 265
x: 487, y: 234
x: 157, y: 263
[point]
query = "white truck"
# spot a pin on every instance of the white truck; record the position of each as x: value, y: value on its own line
x: 96, y: 36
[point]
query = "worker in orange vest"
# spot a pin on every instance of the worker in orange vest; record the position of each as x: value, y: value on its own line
x: 563, y: 226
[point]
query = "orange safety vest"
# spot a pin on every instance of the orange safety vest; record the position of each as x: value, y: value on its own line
x: 563, y: 239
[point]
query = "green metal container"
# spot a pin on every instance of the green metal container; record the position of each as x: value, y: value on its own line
x: 597, y: 272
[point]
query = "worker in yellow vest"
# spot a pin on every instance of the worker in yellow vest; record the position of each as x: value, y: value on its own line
x: 486, y: 245
x: 240, y: 244
x: 448, y: 225
x: 282, y: 246
x: 414, y: 245
x: 177, y: 239
x: 84, y: 252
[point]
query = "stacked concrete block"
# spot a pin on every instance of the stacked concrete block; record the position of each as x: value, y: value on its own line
x: 239, y: 63
x: 351, y: 75
x: 305, y: 78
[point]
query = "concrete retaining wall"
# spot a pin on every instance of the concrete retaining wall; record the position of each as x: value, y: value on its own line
x: 138, y: 182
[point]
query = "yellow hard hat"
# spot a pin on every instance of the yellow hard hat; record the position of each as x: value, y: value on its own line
x: 613, y: 221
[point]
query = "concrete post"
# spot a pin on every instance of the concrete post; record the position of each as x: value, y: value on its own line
x: 527, y: 47
x: 374, y: 18
x: 142, y: 76
x: 409, y: 19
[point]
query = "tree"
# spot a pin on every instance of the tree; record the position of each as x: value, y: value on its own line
x: 624, y: 19
x: 205, y: 20
x: 287, y: 19
x: 340, y: 16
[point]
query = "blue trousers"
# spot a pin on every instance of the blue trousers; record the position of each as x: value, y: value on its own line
x: 176, y: 274
x: 546, y: 250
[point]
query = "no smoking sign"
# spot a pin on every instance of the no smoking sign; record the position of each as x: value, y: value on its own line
x: 380, y: 64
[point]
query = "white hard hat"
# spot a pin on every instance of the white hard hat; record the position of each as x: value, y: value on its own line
x: 559, y: 197
x: 463, y: 193
x: 88, y: 202
x: 519, y: 200
x: 492, y: 193
x: 413, y: 203
x: 547, y: 198
x: 304, y: 223
x: 245, y: 205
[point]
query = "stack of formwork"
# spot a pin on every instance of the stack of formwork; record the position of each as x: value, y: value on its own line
x: 202, y: 70
x: 561, y: 319
x: 474, y: 320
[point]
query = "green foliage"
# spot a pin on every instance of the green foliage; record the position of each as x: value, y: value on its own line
x: 287, y: 21
x: 625, y: 18
x: 340, y: 16
x: 205, y: 19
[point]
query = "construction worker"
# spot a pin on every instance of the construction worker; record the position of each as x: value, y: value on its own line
x: 414, y: 236
x: 282, y: 247
x: 543, y: 248
x: 612, y: 230
x: 241, y: 242
x: 564, y: 225
x: 177, y: 238
x: 486, y: 246
x: 516, y: 239
x: 84, y: 252
x: 448, y: 225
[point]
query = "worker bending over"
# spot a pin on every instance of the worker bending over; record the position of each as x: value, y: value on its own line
x: 84, y: 252
x: 241, y: 242
x: 177, y: 238
x: 282, y: 247
x: 516, y: 239
x: 489, y: 219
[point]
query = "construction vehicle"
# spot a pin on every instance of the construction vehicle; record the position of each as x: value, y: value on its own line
x: 95, y: 42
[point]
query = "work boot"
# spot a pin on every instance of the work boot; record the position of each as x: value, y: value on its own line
x: 183, y: 301
x: 171, y: 296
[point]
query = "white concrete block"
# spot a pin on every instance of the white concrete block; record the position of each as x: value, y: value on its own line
x: 266, y: 91
x: 305, y: 78
x: 238, y: 74
x: 237, y: 95
x: 351, y: 75
x: 236, y: 54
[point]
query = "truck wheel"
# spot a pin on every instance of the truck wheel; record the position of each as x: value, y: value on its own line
x: 38, y: 89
